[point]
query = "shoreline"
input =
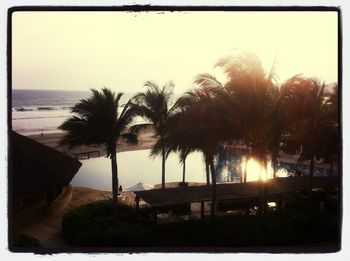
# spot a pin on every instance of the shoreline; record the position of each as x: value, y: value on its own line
x: 146, y: 140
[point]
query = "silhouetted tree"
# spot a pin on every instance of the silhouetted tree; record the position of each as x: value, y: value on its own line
x: 306, y: 115
x: 155, y: 105
x: 96, y: 120
x: 204, y: 127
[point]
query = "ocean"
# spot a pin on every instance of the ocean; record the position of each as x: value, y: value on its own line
x: 36, y: 111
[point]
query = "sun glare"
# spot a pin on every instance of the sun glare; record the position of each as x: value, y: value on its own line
x: 255, y: 170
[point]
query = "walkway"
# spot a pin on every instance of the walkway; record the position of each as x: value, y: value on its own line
x: 48, y: 230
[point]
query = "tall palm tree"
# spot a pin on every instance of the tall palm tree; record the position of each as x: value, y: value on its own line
x: 276, y: 128
x: 96, y: 120
x: 306, y: 115
x: 205, y: 128
x: 222, y: 101
x: 155, y: 105
x: 249, y: 97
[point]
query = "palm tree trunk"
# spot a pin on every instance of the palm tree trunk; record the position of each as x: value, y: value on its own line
x: 241, y: 177
x: 274, y: 167
x: 163, y: 168
x: 213, y: 199
x: 183, y: 170
x: 114, y: 177
x: 207, y: 171
x: 245, y: 170
x: 312, y: 161
x: 309, y: 191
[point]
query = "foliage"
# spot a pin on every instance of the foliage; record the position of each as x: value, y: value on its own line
x: 155, y: 105
x: 250, y: 108
x: 105, y: 224
x: 250, y: 98
x: 98, y: 225
x: 97, y: 120
x: 276, y: 230
x: 310, y: 117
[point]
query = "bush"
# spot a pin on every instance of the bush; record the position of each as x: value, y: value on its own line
x: 104, y: 224
x: 24, y: 240
x: 273, y: 230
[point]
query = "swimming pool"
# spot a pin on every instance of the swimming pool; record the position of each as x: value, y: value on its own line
x: 137, y: 166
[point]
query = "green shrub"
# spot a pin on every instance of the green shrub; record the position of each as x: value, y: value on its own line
x: 273, y: 230
x: 104, y: 224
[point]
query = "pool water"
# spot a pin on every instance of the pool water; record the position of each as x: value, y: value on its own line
x: 137, y: 166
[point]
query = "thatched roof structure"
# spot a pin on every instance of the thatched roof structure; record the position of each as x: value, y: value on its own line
x: 36, y: 168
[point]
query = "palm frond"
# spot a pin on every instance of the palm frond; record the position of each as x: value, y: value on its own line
x: 207, y: 80
x: 95, y: 121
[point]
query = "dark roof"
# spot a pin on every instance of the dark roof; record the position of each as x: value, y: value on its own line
x: 231, y: 191
x: 37, y: 168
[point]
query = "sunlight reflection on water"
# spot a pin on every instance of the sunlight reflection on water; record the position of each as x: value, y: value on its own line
x: 137, y: 166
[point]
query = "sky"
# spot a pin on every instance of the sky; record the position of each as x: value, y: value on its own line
x: 122, y: 50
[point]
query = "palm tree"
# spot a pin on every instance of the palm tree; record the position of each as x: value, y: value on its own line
x: 205, y: 128
x: 222, y: 103
x: 155, y: 105
x: 331, y: 130
x: 96, y: 120
x: 183, y: 156
x: 249, y: 98
x: 276, y: 128
x: 306, y: 115
x: 177, y: 138
x: 174, y: 139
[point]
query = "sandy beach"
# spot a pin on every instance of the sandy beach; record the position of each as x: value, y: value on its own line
x: 146, y: 140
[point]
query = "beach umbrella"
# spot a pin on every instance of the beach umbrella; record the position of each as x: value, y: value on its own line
x: 140, y: 186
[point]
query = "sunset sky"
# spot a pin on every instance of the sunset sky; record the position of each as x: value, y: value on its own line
x: 119, y: 50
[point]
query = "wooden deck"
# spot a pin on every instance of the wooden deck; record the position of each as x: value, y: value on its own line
x: 232, y: 191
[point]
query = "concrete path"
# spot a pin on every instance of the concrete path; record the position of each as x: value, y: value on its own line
x: 48, y: 229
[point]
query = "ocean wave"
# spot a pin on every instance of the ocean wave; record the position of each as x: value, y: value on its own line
x: 40, y: 117
x: 35, y: 129
x: 41, y: 108
x: 45, y: 108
